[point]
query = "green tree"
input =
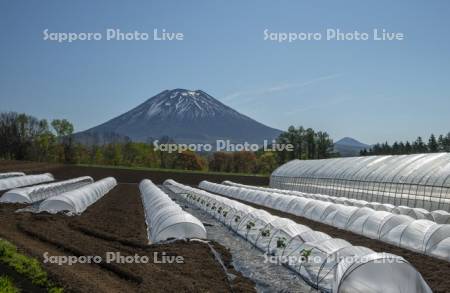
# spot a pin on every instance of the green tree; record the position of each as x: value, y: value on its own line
x: 447, y: 143
x: 308, y: 144
x: 324, y: 145
x: 266, y: 163
x: 64, y: 130
x: 433, y: 145
x: 419, y: 146
x: 17, y: 135
x: 408, y: 148
x: 62, y: 127
x: 98, y: 158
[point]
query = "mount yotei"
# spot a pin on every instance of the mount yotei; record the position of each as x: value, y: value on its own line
x: 184, y: 116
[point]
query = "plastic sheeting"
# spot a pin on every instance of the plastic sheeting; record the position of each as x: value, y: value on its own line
x: 11, y: 174
x: 418, y: 180
x: 165, y: 219
x: 40, y: 192
x: 327, y: 264
x: 78, y: 200
x: 377, y: 273
x: 439, y: 216
x: 19, y: 181
x: 395, y: 228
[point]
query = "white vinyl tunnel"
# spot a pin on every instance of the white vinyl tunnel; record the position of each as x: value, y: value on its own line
x: 78, y: 200
x: 40, y: 192
x: 327, y: 264
x: 417, y: 181
x: 19, y: 181
x: 439, y: 216
x: 165, y: 219
x: 11, y: 174
x: 400, y: 229
x: 378, y: 272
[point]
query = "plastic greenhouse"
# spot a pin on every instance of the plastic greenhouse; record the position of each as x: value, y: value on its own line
x: 165, y: 219
x: 11, y: 174
x: 419, y: 235
x: 43, y: 191
x: 19, y: 181
x: 325, y: 263
x: 78, y: 200
x: 420, y: 180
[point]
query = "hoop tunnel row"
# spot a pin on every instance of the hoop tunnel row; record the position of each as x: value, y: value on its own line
x: 19, y: 181
x: 325, y: 263
x: 37, y: 193
x: 164, y: 218
x: 419, y: 180
x: 78, y: 200
x: 438, y: 216
x: 422, y: 236
x: 11, y: 174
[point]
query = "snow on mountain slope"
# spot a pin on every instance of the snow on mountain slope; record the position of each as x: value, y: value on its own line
x: 182, y: 104
x: 187, y: 117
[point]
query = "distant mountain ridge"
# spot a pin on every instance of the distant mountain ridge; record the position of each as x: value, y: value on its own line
x: 349, y: 147
x: 185, y: 116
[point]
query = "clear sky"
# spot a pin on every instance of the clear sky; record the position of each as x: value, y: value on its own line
x: 370, y: 90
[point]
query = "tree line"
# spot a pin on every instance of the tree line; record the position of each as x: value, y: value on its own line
x: 433, y: 145
x: 24, y: 137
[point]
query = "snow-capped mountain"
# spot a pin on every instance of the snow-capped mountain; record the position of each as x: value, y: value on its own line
x: 186, y: 117
x: 180, y: 104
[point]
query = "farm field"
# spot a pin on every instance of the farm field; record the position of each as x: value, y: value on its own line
x: 117, y: 223
x: 434, y: 271
x: 114, y: 223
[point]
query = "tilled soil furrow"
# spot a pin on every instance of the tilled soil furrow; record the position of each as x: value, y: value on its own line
x: 115, y: 223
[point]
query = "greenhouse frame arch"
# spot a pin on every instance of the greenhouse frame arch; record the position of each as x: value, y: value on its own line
x: 419, y: 180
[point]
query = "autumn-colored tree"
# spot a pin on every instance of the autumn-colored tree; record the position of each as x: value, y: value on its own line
x: 188, y: 161
x: 221, y: 162
x: 244, y: 162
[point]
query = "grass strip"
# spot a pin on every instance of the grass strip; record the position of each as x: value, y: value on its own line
x: 7, y: 285
x: 26, y: 266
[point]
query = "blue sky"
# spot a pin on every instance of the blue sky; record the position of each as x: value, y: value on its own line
x: 370, y: 90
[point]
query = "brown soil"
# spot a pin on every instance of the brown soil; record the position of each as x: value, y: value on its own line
x: 436, y: 272
x: 25, y: 166
x: 114, y: 224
